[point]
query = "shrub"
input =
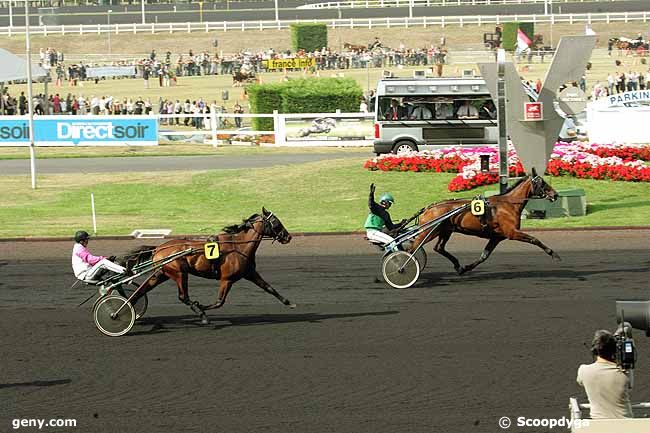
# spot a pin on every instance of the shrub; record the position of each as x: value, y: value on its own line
x: 308, y: 95
x: 308, y: 36
x: 509, y: 36
x: 264, y: 98
x: 321, y: 95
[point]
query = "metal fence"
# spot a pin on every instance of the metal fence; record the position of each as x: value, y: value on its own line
x: 352, y: 23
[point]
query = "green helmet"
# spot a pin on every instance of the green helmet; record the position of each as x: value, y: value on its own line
x: 388, y: 197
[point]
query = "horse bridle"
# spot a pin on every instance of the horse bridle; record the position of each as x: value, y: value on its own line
x: 538, y: 187
x: 266, y: 220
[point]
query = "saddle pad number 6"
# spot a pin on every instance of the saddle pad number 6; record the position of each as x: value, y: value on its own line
x: 478, y: 207
x: 211, y: 250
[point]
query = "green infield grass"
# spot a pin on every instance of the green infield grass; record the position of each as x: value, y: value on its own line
x: 327, y: 196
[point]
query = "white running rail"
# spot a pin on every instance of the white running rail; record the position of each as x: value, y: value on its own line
x: 362, y: 4
x: 352, y: 23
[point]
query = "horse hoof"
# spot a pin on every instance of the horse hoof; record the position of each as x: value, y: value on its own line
x: 461, y: 270
x: 556, y: 257
x: 292, y: 305
x: 205, y: 321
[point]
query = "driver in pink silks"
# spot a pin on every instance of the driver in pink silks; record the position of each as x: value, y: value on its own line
x: 87, y: 267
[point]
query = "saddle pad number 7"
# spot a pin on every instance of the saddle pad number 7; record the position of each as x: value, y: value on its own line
x: 478, y: 207
x: 211, y: 250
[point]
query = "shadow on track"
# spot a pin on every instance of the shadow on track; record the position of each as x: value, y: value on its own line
x: 448, y: 278
x: 38, y: 383
x: 171, y: 323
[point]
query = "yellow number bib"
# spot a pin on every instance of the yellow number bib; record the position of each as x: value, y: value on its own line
x: 478, y: 207
x: 211, y: 250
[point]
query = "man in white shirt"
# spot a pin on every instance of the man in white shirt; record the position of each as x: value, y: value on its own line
x: 82, y: 104
x: 94, y: 105
x: 607, y: 386
x: 421, y: 112
x: 444, y: 110
x: 467, y: 111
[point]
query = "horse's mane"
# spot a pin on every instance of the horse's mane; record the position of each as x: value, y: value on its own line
x: 136, y: 255
x: 519, y: 182
x: 245, y: 224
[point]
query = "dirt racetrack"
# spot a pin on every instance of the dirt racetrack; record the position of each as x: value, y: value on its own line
x: 453, y: 354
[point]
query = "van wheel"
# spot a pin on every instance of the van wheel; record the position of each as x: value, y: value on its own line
x: 404, y: 146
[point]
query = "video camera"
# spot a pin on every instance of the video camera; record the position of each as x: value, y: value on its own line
x: 630, y: 314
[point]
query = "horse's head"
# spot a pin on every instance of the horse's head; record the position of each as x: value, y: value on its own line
x: 273, y: 227
x: 541, y: 189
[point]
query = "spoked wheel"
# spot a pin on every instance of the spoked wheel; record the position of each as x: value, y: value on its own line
x: 107, y: 321
x: 140, y: 305
x: 421, y: 257
x: 400, y: 270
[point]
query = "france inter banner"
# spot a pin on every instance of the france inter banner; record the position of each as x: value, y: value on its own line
x: 80, y: 131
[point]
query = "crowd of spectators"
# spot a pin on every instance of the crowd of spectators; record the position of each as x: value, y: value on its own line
x: 167, y: 68
x: 196, y: 112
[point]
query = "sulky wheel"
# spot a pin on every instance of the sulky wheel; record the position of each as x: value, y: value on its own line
x: 105, y: 319
x: 400, y: 270
x: 140, y: 305
x: 421, y: 257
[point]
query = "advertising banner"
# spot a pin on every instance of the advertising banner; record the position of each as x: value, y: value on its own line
x: 110, y: 71
x: 329, y: 128
x: 80, y: 131
x: 290, y: 63
x: 632, y: 98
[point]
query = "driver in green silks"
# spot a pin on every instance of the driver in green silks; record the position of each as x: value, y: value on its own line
x: 378, y: 218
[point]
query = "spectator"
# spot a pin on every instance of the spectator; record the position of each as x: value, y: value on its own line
x: 237, y: 109
x: 607, y: 386
x: 467, y: 111
x: 363, y: 106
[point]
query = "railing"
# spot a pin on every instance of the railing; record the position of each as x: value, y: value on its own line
x: 352, y: 23
x: 362, y: 4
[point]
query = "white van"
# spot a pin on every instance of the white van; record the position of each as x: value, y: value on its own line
x: 424, y: 113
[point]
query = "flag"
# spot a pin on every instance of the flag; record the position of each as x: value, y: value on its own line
x: 589, y: 31
x: 523, y: 42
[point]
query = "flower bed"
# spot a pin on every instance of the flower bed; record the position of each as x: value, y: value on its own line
x: 583, y: 160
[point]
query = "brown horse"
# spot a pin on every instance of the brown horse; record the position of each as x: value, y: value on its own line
x: 353, y: 47
x: 501, y: 221
x: 237, y: 247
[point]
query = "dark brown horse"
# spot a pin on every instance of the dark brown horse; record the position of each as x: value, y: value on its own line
x: 354, y: 47
x: 237, y: 247
x: 501, y: 221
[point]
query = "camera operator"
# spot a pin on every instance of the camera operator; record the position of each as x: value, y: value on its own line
x: 607, y: 385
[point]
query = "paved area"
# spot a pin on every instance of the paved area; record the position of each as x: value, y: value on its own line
x: 167, y: 163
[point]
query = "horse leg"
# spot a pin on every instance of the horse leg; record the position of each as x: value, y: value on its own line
x: 439, y: 248
x: 491, y: 245
x: 153, y: 281
x: 259, y: 281
x: 524, y: 237
x: 224, y: 289
x: 183, y: 295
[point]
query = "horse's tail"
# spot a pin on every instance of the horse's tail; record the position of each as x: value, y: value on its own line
x: 137, y: 255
